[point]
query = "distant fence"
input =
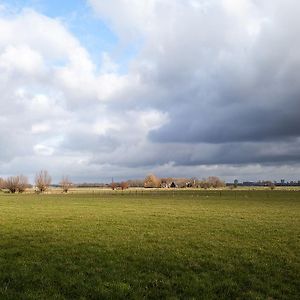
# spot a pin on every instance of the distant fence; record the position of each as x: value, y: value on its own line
x: 176, y: 192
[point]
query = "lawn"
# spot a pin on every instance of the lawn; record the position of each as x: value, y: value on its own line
x: 160, y: 245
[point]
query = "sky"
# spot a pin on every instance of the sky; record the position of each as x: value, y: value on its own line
x: 98, y: 89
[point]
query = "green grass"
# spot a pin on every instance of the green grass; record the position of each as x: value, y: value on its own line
x: 169, y: 245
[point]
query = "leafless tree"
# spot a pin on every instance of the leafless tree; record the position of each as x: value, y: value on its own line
x: 2, y: 183
x: 151, y: 181
x: 124, y: 185
x: 42, y: 180
x: 23, y: 183
x: 15, y: 183
x: 12, y: 183
x: 65, y: 183
x: 215, y: 182
x: 113, y: 186
x: 204, y: 184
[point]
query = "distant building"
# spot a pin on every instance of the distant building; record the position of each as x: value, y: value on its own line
x: 173, y: 185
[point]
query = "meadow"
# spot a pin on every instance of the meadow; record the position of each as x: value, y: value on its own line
x: 151, y: 245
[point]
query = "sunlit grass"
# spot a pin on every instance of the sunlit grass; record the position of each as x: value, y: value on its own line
x: 203, y: 245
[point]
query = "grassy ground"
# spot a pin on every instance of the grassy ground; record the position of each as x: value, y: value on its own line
x: 181, y: 245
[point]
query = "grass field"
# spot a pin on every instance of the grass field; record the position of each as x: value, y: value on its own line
x: 162, y: 245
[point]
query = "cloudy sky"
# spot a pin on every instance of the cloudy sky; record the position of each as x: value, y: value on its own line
x: 98, y: 89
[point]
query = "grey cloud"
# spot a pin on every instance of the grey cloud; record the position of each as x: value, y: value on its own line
x: 229, y: 93
x: 225, y: 76
x: 179, y: 154
x: 85, y: 141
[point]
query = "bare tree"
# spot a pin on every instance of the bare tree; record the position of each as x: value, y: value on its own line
x: 22, y: 183
x: 215, y: 182
x: 113, y: 186
x: 151, y: 181
x: 42, y: 180
x: 15, y: 184
x: 124, y: 185
x: 65, y: 183
x: 204, y: 184
x: 12, y: 183
x: 2, y: 183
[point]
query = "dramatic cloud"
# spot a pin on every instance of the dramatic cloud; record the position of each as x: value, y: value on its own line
x: 223, y: 71
x: 213, y: 88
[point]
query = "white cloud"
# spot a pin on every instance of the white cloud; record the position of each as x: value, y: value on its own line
x: 40, y: 128
x: 43, y: 150
x: 131, y: 17
x: 55, y: 101
x: 21, y: 59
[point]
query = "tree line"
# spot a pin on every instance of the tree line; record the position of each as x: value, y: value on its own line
x: 152, y: 181
x: 18, y: 184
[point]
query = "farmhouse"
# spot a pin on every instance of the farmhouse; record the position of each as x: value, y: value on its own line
x: 173, y: 185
